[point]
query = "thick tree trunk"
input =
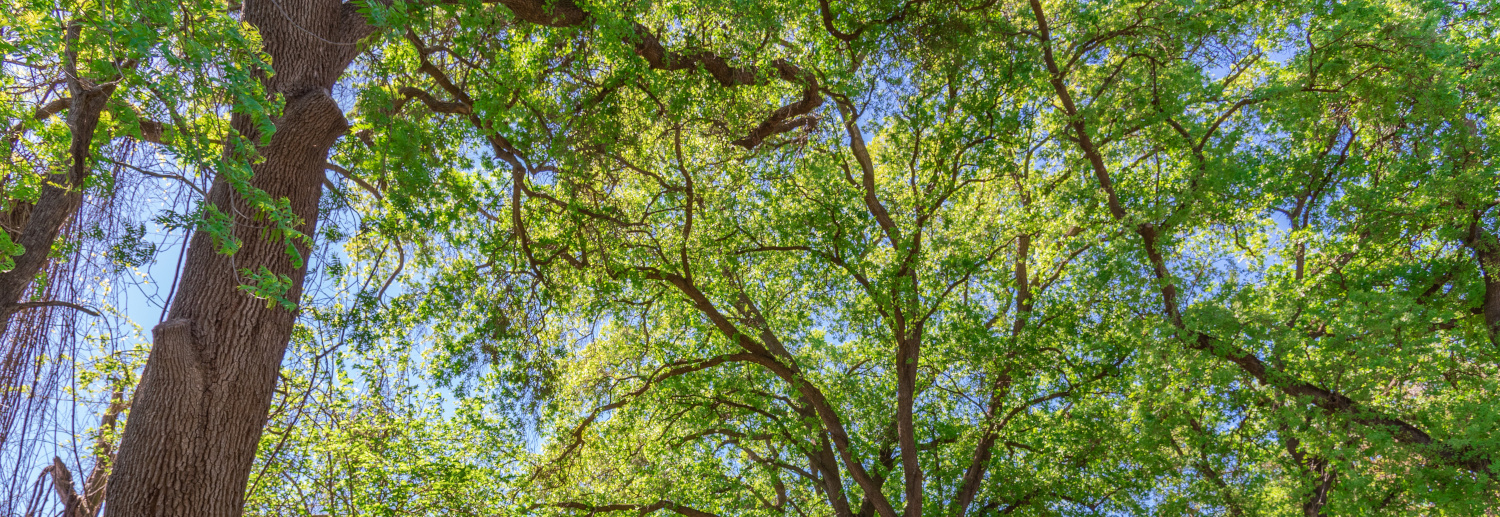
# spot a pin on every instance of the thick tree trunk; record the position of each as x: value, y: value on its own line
x: 199, y: 410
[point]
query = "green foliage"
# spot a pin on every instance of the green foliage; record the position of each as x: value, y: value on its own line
x: 684, y: 320
x: 269, y: 286
x: 1038, y: 258
x: 8, y: 250
x: 131, y: 249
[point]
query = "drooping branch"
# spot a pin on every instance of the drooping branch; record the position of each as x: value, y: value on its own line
x: 354, y: 178
x: 166, y: 176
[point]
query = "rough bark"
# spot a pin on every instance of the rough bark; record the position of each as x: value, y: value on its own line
x: 206, y: 390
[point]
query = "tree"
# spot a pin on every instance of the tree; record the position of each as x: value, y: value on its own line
x: 86, y: 90
x: 900, y: 257
x: 203, y: 398
x: 1042, y: 257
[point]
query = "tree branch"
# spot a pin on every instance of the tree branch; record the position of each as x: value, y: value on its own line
x: 1464, y: 456
x: 53, y: 303
x: 566, y: 13
x: 640, y: 509
x: 351, y: 177
x: 431, y: 102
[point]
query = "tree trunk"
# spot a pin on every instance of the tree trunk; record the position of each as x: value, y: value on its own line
x: 198, y: 412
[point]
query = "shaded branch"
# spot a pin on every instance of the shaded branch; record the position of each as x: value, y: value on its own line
x: 351, y: 177
x: 640, y: 509
x: 432, y: 102
x: 53, y: 303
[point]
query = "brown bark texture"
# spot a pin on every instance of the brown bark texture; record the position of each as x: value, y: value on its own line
x: 202, y: 402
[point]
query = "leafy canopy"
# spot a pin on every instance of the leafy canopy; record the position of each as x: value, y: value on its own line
x: 904, y: 258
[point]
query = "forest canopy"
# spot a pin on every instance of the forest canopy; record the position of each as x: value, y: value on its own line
x: 751, y: 258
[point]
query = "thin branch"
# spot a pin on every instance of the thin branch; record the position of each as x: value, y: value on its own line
x: 53, y: 303
x: 351, y: 177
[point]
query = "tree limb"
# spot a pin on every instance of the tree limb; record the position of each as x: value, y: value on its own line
x: 566, y: 13
x: 53, y: 303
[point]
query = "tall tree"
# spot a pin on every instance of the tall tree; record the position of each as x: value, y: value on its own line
x: 895, y: 258
x: 84, y: 86
x: 1014, y: 257
x: 198, y: 413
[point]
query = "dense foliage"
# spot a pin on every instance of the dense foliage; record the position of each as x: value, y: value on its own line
x: 897, y: 257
